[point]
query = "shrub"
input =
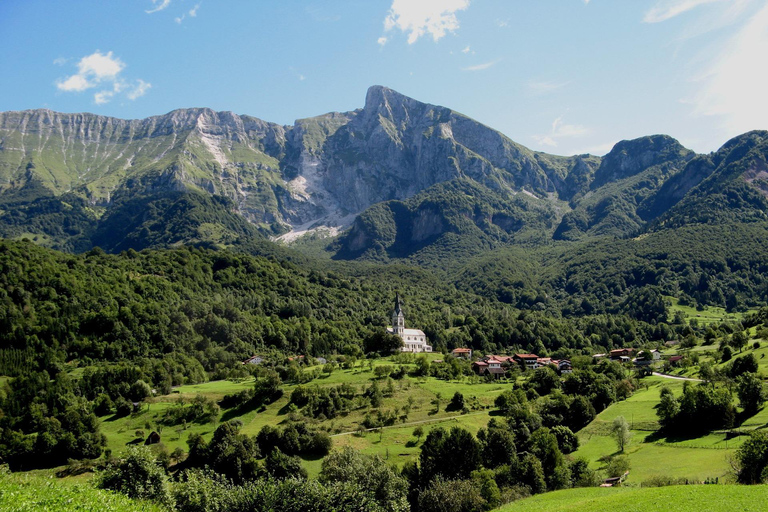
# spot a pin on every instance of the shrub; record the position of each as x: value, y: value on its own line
x: 138, y: 476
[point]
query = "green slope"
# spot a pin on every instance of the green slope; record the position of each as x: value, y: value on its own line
x: 689, y: 498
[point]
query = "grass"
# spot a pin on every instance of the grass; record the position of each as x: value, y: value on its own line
x: 394, y: 443
x: 650, y: 455
x: 706, y: 316
x: 23, y: 493
x: 687, y: 498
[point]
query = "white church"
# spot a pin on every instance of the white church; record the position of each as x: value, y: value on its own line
x: 414, y: 340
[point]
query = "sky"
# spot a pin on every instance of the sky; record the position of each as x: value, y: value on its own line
x: 561, y: 76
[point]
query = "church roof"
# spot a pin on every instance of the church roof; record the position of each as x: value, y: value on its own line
x: 408, y: 332
x: 398, y: 304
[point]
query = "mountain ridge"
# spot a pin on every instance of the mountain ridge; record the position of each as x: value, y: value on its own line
x: 326, y: 171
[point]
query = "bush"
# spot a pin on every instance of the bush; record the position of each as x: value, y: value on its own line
x: 138, y: 476
x: 617, y: 466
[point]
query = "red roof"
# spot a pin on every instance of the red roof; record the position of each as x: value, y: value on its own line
x: 527, y: 356
x: 461, y: 350
x: 480, y: 363
x: 675, y: 358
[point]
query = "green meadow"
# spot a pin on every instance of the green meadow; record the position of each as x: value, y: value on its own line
x: 34, y: 493
x: 685, y: 498
x: 395, y: 443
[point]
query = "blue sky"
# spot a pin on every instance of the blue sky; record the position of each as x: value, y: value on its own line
x: 561, y: 76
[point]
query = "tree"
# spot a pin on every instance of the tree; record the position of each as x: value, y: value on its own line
x: 453, y: 454
x: 267, y: 389
x: 617, y: 466
x: 621, y: 432
x: 498, y: 445
x: 418, y: 432
x: 281, y: 466
x: 752, y: 458
x: 138, y: 476
x: 741, y: 365
x: 738, y: 340
x: 751, y: 392
x: 451, y: 496
x: 457, y: 402
x: 544, y: 380
x: 229, y: 453
x: 139, y: 391
x: 566, y: 439
x: 383, y: 343
x: 668, y: 408
x: 371, y: 473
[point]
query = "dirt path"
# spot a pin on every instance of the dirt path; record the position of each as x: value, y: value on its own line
x: 666, y: 376
x: 409, y: 424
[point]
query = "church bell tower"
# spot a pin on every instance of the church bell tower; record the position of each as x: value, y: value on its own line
x: 398, y: 319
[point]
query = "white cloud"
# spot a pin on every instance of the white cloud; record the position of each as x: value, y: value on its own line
x: 91, y: 71
x: 382, y: 40
x: 480, y: 67
x: 100, y: 66
x: 545, y: 87
x: 192, y: 14
x: 502, y: 23
x: 100, y: 70
x: 76, y: 83
x: 560, y: 130
x: 734, y: 85
x: 666, y: 9
x: 139, y: 90
x: 421, y: 17
x: 103, y: 97
x: 465, y: 50
x: 60, y: 61
x: 158, y: 5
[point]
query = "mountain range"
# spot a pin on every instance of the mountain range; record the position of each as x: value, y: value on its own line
x: 390, y: 180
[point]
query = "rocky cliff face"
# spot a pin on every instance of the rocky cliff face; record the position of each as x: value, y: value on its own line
x: 422, y: 160
x: 322, y: 170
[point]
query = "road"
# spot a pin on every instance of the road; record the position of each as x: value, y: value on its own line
x: 657, y: 374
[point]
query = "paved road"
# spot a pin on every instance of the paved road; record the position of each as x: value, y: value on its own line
x: 657, y: 374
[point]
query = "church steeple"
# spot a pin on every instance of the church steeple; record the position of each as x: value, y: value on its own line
x: 398, y: 319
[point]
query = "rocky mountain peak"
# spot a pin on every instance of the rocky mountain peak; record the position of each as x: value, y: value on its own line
x: 630, y: 157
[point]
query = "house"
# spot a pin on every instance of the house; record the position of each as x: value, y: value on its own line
x: 617, y: 354
x: 153, y: 438
x: 414, y: 340
x: 564, y: 365
x: 675, y: 360
x: 466, y: 353
x: 489, y: 367
x: 529, y: 361
x: 656, y: 354
x: 254, y: 360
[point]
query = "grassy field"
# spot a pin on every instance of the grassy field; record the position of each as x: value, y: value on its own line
x: 395, y: 443
x: 709, y: 315
x: 28, y: 493
x: 688, y: 498
x: 651, y: 455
